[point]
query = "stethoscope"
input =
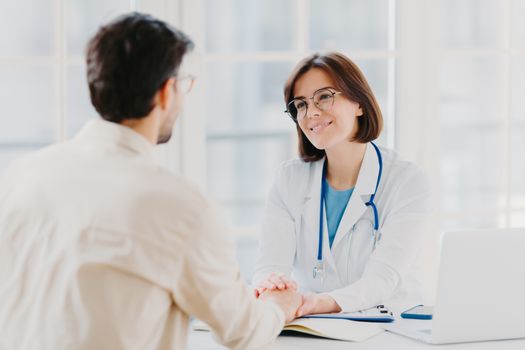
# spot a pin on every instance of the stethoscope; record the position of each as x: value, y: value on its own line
x: 318, y: 271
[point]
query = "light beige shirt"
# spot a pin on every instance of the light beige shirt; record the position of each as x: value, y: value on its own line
x: 101, y: 248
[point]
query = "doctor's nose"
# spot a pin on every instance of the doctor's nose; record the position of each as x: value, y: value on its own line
x: 313, y: 111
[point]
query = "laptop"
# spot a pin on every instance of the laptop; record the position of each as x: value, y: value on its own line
x: 481, y: 289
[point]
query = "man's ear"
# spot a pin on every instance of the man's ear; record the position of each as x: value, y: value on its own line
x: 165, y: 93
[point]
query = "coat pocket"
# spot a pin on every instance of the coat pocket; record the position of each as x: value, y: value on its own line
x: 360, y: 249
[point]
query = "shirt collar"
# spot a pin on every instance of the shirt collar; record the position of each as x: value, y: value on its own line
x: 367, y: 178
x: 101, y: 133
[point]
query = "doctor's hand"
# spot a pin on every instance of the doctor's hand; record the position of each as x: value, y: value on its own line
x: 275, y: 281
x: 288, y: 300
x: 317, y: 304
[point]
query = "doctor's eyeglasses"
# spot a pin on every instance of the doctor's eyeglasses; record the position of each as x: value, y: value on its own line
x: 184, y: 83
x: 322, y: 98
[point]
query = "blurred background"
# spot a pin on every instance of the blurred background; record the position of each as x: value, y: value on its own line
x: 448, y: 74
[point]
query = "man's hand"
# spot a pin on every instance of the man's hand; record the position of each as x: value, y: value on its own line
x: 313, y: 303
x: 288, y: 300
x: 275, y: 281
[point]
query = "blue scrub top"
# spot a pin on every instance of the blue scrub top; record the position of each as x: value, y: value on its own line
x: 335, y: 204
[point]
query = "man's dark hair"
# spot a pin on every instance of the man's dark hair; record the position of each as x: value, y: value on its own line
x: 128, y: 60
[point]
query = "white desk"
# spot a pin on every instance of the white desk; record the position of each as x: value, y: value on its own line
x: 200, y: 340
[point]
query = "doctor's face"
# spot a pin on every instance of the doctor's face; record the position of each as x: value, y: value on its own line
x: 333, y: 124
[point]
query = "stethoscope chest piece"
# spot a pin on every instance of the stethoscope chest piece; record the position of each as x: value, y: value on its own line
x: 318, y: 271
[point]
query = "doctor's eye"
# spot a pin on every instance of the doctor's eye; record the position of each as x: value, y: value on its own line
x: 300, y: 105
x: 324, y: 96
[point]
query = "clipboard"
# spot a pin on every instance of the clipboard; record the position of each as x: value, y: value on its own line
x: 375, y: 314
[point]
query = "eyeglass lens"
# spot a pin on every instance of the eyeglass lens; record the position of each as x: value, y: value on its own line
x: 323, y: 99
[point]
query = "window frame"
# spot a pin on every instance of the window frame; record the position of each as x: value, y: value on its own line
x: 193, y: 23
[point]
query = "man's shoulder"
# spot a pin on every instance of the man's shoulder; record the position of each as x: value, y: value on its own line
x: 40, y: 157
x: 129, y: 179
x: 176, y: 187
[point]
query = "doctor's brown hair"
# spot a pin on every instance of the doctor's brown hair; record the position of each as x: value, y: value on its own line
x: 351, y: 82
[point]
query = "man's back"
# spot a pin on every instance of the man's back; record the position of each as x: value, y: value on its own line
x: 102, y: 248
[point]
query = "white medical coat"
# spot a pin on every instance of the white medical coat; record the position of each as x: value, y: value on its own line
x: 356, y: 276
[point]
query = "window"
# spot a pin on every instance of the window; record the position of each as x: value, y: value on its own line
x: 248, y: 49
x: 43, y: 86
x: 26, y: 72
x: 42, y: 72
x: 481, y: 113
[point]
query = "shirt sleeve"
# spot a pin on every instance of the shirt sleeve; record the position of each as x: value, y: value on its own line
x: 277, y: 238
x: 402, y: 235
x: 209, y: 286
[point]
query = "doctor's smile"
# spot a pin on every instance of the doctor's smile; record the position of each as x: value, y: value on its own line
x: 320, y: 126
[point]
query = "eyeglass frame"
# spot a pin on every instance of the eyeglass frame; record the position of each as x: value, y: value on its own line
x: 179, y: 78
x: 305, y: 99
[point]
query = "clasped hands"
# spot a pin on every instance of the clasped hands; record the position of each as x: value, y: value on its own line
x: 310, y: 303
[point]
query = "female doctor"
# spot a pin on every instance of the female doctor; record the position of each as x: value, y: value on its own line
x: 344, y: 224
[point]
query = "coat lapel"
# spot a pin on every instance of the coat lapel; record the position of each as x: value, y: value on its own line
x: 310, y: 213
x: 312, y: 197
x: 365, y: 186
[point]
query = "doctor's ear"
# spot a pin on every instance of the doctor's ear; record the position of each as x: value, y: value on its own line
x: 359, y: 112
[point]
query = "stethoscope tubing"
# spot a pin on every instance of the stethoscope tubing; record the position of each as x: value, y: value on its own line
x: 370, y: 203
